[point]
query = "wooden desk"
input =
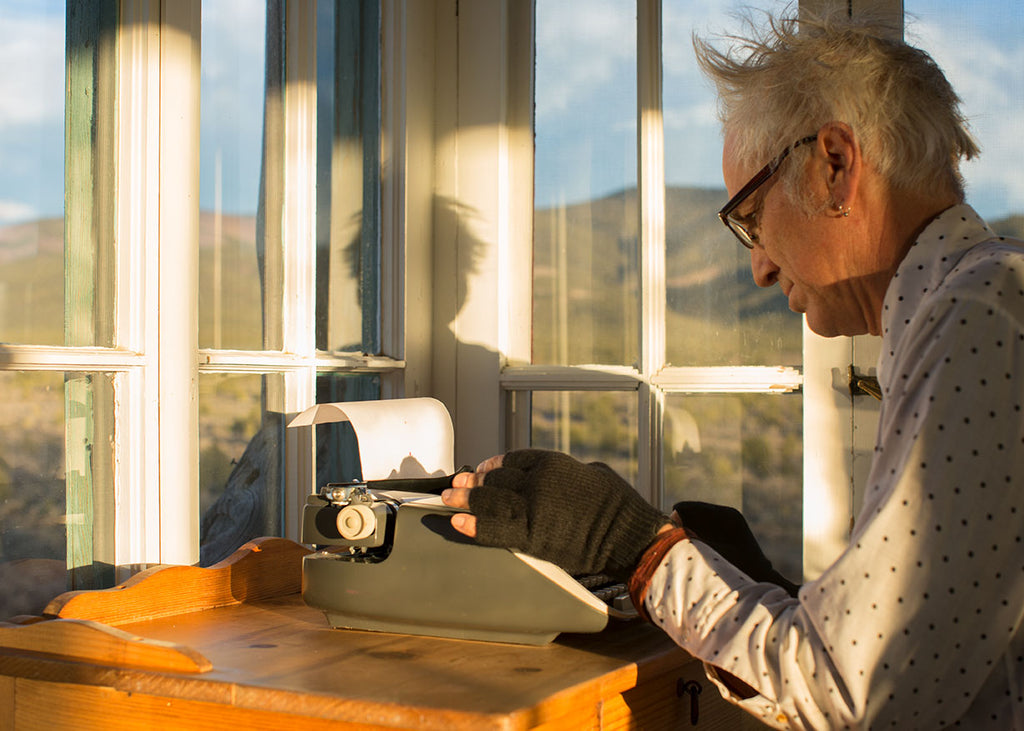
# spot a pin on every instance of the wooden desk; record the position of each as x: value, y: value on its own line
x: 234, y: 644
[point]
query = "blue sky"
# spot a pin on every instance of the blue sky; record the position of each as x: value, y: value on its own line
x: 231, y: 104
x: 585, y: 127
x: 586, y: 88
x: 32, y: 106
x: 31, y: 109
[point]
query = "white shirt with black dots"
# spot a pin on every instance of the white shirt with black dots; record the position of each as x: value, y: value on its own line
x: 917, y: 625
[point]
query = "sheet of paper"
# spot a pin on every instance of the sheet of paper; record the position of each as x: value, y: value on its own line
x: 398, y: 438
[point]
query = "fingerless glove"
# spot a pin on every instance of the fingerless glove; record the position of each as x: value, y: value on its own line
x: 582, y: 517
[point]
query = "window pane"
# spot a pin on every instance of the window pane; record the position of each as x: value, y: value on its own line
x: 586, y: 242
x: 348, y: 176
x: 715, y: 313
x: 32, y: 172
x: 746, y: 451
x: 236, y: 285
x: 337, y: 450
x: 589, y: 425
x: 56, y: 495
x: 979, y: 47
x: 240, y: 470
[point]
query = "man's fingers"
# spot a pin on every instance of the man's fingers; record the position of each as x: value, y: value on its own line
x: 468, y: 479
x: 456, y: 497
x: 476, y: 478
x: 491, y: 463
x: 465, y: 523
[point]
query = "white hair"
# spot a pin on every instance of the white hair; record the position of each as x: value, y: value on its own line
x: 787, y: 80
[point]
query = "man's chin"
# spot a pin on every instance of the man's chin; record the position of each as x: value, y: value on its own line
x: 831, y: 329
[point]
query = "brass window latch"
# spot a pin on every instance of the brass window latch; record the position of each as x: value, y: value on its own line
x: 861, y: 384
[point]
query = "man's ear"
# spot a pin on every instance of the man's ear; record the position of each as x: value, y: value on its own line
x: 840, y: 162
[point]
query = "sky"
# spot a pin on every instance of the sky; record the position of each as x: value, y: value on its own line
x: 31, y: 109
x: 585, y: 130
x: 586, y: 92
x: 231, y: 104
x: 32, y: 106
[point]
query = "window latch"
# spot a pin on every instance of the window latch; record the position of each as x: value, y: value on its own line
x: 861, y: 384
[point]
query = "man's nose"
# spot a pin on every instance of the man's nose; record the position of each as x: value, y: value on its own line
x: 765, y: 272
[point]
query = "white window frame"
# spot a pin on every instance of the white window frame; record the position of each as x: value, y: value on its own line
x: 155, y: 361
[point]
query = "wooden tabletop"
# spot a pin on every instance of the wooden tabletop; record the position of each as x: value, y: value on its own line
x: 273, y: 654
x: 285, y: 647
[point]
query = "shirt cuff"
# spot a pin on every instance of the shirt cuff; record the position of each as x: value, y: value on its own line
x: 651, y: 559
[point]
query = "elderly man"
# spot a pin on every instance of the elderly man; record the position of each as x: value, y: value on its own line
x: 859, y: 217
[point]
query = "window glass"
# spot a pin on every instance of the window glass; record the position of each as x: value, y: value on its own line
x: 235, y: 283
x: 589, y: 425
x: 56, y: 500
x: 240, y: 470
x: 715, y: 314
x: 746, y: 451
x: 586, y: 242
x: 32, y: 38
x: 348, y: 176
x: 979, y: 47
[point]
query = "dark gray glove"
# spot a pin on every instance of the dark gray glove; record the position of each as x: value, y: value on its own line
x: 726, y: 530
x: 582, y: 517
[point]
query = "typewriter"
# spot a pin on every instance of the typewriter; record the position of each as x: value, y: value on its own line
x: 387, y: 559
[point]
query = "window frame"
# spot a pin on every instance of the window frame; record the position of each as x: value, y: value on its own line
x: 155, y: 360
x: 654, y: 379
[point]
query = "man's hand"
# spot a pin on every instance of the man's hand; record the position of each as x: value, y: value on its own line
x: 583, y: 517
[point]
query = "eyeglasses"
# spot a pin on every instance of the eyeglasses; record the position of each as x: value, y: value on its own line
x: 747, y: 237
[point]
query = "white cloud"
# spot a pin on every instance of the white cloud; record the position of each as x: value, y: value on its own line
x: 586, y: 50
x: 710, y: 20
x: 700, y: 113
x: 984, y: 69
x: 16, y: 212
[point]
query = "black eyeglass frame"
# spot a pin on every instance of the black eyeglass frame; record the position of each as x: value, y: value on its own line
x: 760, y: 178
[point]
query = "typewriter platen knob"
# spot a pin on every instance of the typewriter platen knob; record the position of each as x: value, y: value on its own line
x: 356, y: 521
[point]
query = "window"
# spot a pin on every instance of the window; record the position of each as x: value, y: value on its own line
x: 728, y: 397
x: 60, y: 378
x: 652, y: 349
x: 161, y: 329
x: 515, y: 215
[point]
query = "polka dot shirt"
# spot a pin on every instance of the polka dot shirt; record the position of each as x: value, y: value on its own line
x: 917, y: 625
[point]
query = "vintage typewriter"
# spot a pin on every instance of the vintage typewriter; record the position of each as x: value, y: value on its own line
x: 389, y: 560
x: 386, y: 557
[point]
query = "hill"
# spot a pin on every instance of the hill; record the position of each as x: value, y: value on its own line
x: 715, y: 313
